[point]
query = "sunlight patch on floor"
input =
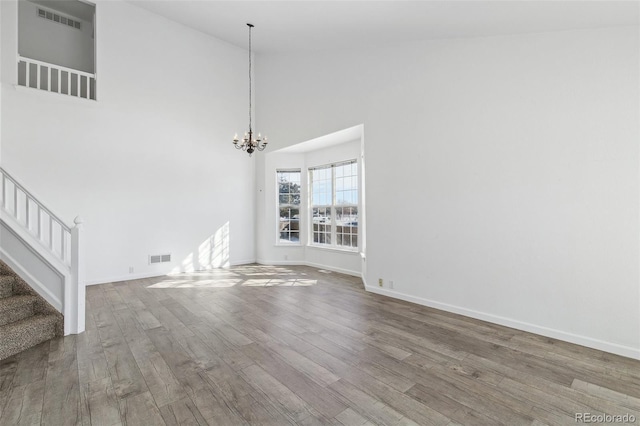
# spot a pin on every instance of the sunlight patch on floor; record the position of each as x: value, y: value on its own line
x: 221, y: 282
x: 215, y: 283
x: 268, y: 282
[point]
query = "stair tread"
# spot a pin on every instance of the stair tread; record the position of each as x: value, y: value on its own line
x: 20, y: 335
x: 26, y: 319
x: 16, y: 301
x: 33, y: 321
x: 6, y: 286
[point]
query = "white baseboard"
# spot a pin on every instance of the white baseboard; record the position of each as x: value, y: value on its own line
x: 127, y: 277
x: 154, y: 274
x: 242, y: 262
x: 626, y: 351
x: 304, y: 263
x: 334, y: 269
x: 281, y: 262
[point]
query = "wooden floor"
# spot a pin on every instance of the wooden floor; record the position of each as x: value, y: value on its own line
x: 298, y: 345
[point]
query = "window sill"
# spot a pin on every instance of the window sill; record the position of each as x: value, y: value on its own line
x: 353, y: 251
x: 278, y: 244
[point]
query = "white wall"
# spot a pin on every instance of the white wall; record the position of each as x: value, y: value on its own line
x: 269, y: 250
x: 53, y: 42
x: 502, y: 172
x: 150, y: 166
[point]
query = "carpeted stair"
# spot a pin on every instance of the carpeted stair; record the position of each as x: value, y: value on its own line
x: 26, y: 319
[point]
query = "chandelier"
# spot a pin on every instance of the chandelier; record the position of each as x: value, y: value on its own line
x: 248, y: 143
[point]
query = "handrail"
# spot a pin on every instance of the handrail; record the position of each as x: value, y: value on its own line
x: 6, y: 175
x: 60, y: 67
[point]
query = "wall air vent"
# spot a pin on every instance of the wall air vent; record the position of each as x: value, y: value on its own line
x: 159, y: 258
x: 52, y: 16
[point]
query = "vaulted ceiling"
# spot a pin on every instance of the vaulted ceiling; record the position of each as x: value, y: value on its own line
x: 293, y: 26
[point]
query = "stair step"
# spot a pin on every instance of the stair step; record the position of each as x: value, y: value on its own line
x: 6, y: 286
x: 16, y: 308
x: 20, y: 335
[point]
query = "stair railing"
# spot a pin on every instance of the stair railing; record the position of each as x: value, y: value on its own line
x: 59, y: 242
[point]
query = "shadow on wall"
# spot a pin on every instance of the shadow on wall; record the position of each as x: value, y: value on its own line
x: 212, y: 253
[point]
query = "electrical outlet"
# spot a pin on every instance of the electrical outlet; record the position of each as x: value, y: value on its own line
x: 380, y: 282
x: 391, y: 285
x: 131, y: 269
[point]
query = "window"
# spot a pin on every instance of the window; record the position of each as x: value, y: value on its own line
x: 288, y: 206
x: 334, y: 205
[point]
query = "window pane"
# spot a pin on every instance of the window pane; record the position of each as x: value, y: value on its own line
x: 321, y: 225
x: 288, y: 202
x: 347, y: 226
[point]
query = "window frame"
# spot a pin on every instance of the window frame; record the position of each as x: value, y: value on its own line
x: 279, y: 241
x: 333, y: 206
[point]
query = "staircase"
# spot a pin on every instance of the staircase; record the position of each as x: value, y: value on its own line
x: 43, y: 257
x: 26, y: 319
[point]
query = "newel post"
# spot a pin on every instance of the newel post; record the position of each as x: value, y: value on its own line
x: 77, y: 271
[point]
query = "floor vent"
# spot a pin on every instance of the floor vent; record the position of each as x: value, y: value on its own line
x: 159, y: 258
x: 52, y: 16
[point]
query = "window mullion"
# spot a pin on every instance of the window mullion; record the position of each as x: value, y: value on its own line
x: 333, y: 206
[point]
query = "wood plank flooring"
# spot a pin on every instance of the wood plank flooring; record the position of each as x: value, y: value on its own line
x: 296, y: 345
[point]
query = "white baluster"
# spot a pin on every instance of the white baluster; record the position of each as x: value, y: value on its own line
x: 27, y: 74
x: 38, y: 68
x: 39, y: 222
x: 59, y: 74
x: 27, y: 212
x: 63, y: 245
x: 79, y: 78
x: 68, y: 83
x: 4, y: 191
x: 49, y: 79
x: 50, y: 233
x: 88, y: 87
x: 15, y: 200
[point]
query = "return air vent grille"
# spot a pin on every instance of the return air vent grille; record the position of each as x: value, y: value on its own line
x: 159, y: 258
x: 52, y: 16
